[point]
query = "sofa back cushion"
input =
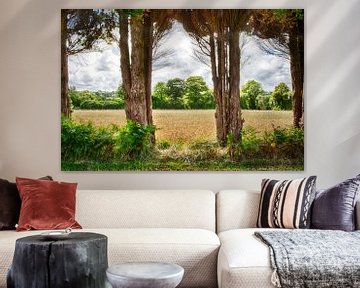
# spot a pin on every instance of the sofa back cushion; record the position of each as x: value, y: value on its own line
x: 236, y: 209
x: 146, y: 209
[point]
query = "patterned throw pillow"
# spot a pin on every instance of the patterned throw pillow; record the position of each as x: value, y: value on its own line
x: 286, y: 204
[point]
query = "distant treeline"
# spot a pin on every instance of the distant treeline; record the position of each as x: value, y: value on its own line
x: 192, y: 93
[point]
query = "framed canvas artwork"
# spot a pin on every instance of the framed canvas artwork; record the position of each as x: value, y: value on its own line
x: 182, y: 89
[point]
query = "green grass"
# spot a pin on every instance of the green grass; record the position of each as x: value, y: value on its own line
x: 186, y: 141
x: 177, y: 165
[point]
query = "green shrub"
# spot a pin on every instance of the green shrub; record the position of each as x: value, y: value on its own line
x: 88, y: 142
x: 251, y: 141
x: 164, y: 144
x: 133, y: 140
x: 285, y: 142
x: 85, y: 141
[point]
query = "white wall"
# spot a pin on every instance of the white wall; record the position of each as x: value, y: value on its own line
x: 30, y: 94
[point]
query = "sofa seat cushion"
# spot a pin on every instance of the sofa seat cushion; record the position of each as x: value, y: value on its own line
x: 196, y: 250
x: 244, y: 261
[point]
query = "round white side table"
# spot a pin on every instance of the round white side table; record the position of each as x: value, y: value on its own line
x: 145, y: 275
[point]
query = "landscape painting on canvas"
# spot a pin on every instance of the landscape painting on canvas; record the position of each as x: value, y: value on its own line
x: 182, y: 89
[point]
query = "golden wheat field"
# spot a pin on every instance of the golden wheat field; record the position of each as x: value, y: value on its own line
x: 187, y: 125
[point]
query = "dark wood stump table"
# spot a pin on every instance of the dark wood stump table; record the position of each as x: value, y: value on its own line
x: 78, y: 261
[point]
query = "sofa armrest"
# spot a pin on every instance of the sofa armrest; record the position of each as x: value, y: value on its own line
x: 357, y: 215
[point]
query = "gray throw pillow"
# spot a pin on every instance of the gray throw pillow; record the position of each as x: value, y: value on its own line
x: 334, y: 208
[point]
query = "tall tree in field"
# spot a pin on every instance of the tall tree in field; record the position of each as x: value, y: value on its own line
x: 65, y: 103
x: 197, y: 95
x: 216, y: 33
x: 80, y: 30
x: 250, y: 92
x: 145, y: 28
x: 280, y: 98
x: 283, y: 32
x: 132, y: 67
x: 176, y: 90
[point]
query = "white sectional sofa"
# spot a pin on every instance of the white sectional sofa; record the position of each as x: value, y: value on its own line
x: 177, y: 226
x: 164, y: 225
x: 243, y: 260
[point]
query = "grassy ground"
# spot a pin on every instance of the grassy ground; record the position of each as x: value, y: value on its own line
x: 187, y: 126
x: 173, y: 165
x: 186, y: 141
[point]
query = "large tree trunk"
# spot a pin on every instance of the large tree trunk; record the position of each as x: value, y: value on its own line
x: 65, y: 103
x: 234, y: 89
x: 217, y: 92
x: 137, y: 101
x: 235, y: 121
x: 296, y: 48
x: 148, y: 47
x: 223, y: 93
x: 134, y: 74
x: 125, y: 60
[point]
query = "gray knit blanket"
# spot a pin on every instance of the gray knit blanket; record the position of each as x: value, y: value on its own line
x: 313, y: 258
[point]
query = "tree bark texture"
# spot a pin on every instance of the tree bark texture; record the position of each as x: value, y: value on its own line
x: 137, y: 103
x: 217, y: 92
x: 125, y: 59
x: 296, y: 49
x: 79, y: 261
x: 65, y: 103
x: 222, y: 100
x: 136, y: 69
x: 234, y: 90
x: 148, y: 49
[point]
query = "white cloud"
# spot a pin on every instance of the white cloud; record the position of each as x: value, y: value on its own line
x: 267, y: 69
x: 95, y: 70
x: 101, y: 71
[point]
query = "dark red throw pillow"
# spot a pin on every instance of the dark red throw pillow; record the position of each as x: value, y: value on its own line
x: 10, y: 204
x: 46, y: 204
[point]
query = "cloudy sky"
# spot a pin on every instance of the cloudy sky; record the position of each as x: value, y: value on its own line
x: 101, y: 70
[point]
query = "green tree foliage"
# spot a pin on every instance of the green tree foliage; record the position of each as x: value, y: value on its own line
x: 160, y: 97
x: 280, y: 98
x: 176, y: 90
x: 133, y: 141
x: 283, y: 14
x: 250, y: 92
x: 176, y: 93
x: 197, y: 94
x: 262, y: 101
x: 96, y: 100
